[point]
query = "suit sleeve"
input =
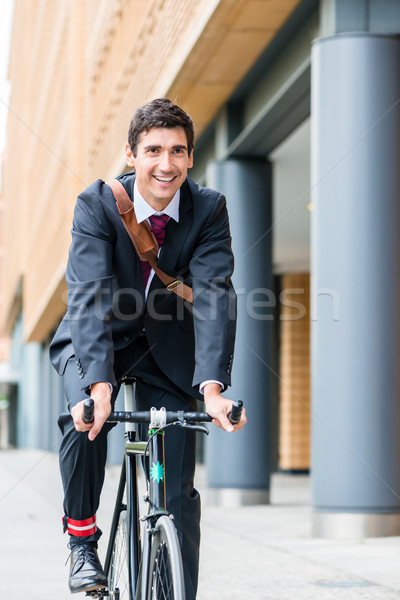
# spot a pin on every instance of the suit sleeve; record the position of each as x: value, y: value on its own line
x: 90, y: 290
x: 214, y: 299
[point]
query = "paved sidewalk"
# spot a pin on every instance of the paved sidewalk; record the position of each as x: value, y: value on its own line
x: 248, y: 553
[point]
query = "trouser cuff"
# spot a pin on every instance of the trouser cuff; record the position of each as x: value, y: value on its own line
x: 83, y: 528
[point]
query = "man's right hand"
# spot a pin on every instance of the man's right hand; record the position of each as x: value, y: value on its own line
x: 101, y: 395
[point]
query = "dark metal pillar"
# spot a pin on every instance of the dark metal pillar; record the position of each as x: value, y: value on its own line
x: 238, y: 465
x: 355, y: 296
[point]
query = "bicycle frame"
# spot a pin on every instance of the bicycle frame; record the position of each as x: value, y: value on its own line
x: 156, y: 498
x: 156, y: 495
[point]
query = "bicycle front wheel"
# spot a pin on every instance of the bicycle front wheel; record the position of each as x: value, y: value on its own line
x: 166, y: 571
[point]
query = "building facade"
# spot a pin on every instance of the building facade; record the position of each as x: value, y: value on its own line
x: 275, y: 88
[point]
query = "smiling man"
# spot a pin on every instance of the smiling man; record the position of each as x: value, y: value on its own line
x: 122, y: 320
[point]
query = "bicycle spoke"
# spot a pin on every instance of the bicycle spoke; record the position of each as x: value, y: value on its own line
x: 119, y: 566
x: 162, y: 582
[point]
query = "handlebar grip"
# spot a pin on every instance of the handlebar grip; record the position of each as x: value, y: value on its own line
x: 236, y: 412
x: 88, y: 410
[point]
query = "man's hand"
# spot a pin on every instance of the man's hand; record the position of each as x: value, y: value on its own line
x: 101, y: 394
x: 219, y: 407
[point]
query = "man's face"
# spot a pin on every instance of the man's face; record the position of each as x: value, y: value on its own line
x: 161, y: 164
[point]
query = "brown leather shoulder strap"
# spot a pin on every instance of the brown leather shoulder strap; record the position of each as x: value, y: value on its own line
x: 144, y: 241
x: 121, y: 196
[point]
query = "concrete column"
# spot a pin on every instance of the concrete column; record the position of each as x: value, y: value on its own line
x: 355, y: 294
x: 238, y: 465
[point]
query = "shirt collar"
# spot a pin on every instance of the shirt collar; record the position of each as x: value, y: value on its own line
x: 143, y: 210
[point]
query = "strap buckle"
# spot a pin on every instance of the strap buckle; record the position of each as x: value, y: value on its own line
x: 173, y: 285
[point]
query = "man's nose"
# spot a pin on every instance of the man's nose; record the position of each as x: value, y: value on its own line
x: 165, y: 163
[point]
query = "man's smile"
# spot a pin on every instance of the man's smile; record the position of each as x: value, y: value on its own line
x: 164, y: 179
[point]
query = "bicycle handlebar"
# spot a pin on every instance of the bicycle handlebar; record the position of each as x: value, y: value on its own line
x: 172, y: 416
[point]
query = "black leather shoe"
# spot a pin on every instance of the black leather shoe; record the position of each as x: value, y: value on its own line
x: 86, y: 572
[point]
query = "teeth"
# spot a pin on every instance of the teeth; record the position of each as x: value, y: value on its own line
x: 166, y: 179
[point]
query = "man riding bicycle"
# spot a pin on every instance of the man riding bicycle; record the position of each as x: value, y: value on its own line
x: 123, y: 320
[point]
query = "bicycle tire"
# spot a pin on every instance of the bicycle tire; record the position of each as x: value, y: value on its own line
x: 118, y: 576
x: 165, y: 568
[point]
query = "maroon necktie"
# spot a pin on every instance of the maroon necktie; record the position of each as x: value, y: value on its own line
x: 157, y: 224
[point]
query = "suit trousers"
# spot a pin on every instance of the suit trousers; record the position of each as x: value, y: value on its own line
x: 82, y: 463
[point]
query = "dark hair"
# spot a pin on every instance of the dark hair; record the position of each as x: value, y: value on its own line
x: 159, y: 113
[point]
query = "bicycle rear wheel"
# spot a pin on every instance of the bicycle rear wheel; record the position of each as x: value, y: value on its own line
x: 166, y: 571
x: 118, y: 576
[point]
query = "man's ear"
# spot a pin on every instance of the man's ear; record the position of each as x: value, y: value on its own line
x: 130, y: 159
x: 190, y: 162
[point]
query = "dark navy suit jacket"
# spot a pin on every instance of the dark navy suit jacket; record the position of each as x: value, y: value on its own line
x: 106, y: 303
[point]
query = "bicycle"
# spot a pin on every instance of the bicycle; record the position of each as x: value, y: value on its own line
x: 148, y: 569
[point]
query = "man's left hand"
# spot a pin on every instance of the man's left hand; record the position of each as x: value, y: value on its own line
x: 219, y: 408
